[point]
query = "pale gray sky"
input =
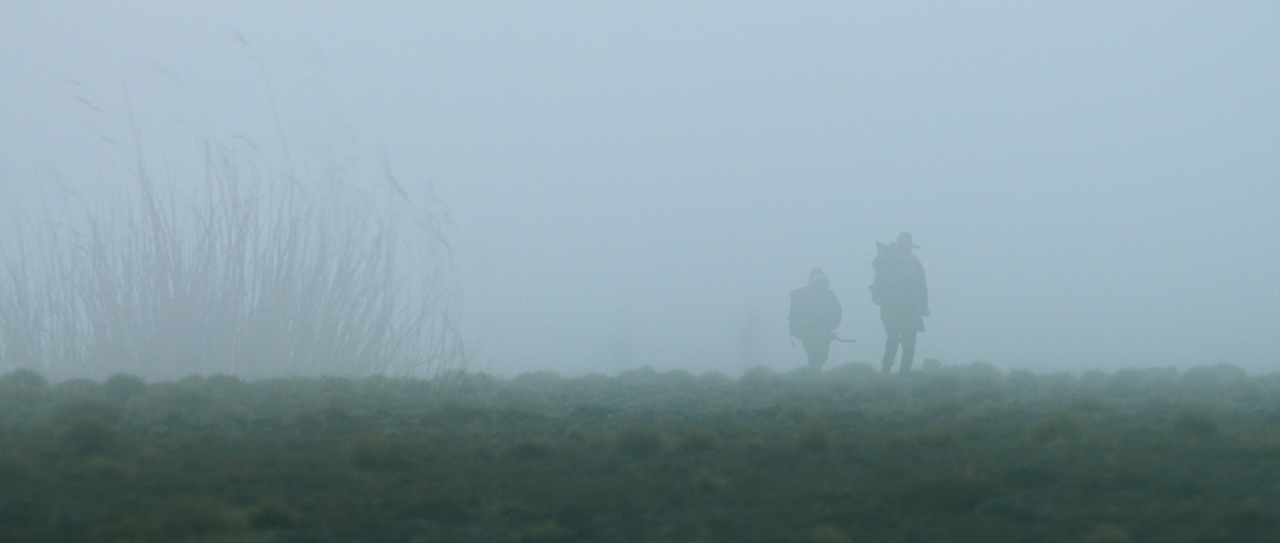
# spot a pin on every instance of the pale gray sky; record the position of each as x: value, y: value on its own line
x: 1094, y: 185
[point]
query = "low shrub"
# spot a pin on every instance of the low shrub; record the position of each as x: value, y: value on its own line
x: 130, y: 529
x: 529, y: 450
x: 697, y: 440
x: 79, y: 408
x: 122, y: 387
x: 1056, y: 427
x: 24, y: 386
x: 22, y: 378
x: 456, y: 413
x: 827, y: 534
x: 575, y: 434
x: 88, y: 434
x: 204, y: 516
x: 947, y: 494
x: 1107, y: 534
x: 1023, y: 380
x: 375, y: 453
x: 101, y: 469
x: 640, y: 440
x: 1212, y: 377
x: 14, y: 471
x: 1195, y: 419
x: 1027, y: 477
x: 272, y: 515
x: 815, y: 439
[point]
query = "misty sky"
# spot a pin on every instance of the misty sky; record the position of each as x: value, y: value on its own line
x: 1092, y: 185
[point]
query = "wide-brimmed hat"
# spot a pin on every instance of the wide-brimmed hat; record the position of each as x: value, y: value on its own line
x: 904, y: 239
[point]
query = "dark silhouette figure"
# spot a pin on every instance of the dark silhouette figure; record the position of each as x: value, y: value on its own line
x: 899, y: 289
x: 815, y: 314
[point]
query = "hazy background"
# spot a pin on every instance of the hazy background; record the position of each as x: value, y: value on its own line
x: 1093, y: 185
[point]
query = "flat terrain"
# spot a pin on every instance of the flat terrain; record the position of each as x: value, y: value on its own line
x: 954, y: 454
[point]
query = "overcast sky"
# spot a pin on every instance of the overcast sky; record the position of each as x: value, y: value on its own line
x: 1093, y: 185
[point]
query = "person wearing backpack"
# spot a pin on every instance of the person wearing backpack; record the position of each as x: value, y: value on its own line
x: 899, y: 289
x: 815, y: 314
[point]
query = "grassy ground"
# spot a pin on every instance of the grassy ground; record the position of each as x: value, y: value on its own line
x: 955, y: 454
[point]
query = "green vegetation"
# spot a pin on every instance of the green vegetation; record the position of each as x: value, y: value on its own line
x: 951, y: 454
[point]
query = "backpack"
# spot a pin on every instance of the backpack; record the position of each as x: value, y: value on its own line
x: 814, y: 313
x: 881, y: 265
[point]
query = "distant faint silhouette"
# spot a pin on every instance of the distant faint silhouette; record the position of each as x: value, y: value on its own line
x: 815, y: 314
x: 899, y: 289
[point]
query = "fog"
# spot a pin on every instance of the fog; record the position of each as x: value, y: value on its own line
x: 1092, y: 186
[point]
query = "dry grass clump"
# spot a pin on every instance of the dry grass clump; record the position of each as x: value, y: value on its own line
x: 254, y: 266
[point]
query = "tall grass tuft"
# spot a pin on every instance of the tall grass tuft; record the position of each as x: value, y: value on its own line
x: 249, y: 274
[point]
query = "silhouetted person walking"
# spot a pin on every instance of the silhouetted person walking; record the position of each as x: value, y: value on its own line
x: 815, y: 314
x: 899, y: 289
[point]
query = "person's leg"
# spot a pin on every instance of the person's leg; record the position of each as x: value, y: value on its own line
x: 818, y: 351
x: 890, y: 352
x: 809, y: 347
x: 908, y: 350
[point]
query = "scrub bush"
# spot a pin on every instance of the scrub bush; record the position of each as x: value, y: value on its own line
x: 87, y: 434
x: 947, y: 494
x: 1061, y: 426
x: 123, y: 386
x: 1107, y: 534
x: 1195, y: 419
x: 375, y: 453
x: 815, y: 438
x: 640, y: 440
x: 24, y: 386
x: 696, y: 440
